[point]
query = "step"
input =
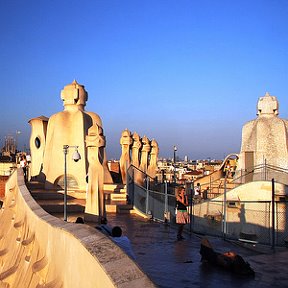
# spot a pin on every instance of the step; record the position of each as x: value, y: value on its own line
x: 114, y: 188
x: 31, y: 185
x: 61, y: 201
x: 41, y: 195
x: 118, y: 197
x: 57, y: 206
x: 119, y: 208
x: 111, y: 205
x: 111, y: 208
x: 124, y: 208
x: 52, y: 208
x: 57, y: 194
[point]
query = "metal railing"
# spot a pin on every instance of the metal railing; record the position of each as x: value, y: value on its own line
x: 261, y: 172
x: 222, y: 218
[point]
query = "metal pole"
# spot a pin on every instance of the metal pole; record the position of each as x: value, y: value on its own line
x: 147, y: 194
x: 265, y: 170
x: 127, y: 181
x: 65, y: 150
x: 224, y: 209
x: 166, y: 197
x: 131, y: 187
x: 174, y: 160
x: 191, y: 206
x: 273, y: 214
x: 210, y: 183
x: 165, y: 201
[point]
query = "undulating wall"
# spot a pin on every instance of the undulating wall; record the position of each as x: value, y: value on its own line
x: 39, y: 250
x: 3, y: 180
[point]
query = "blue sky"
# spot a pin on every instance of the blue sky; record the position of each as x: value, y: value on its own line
x: 187, y: 73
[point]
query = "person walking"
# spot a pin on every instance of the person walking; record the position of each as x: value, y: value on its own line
x: 182, y: 216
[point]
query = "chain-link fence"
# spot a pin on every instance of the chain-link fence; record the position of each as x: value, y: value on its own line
x: 249, y: 221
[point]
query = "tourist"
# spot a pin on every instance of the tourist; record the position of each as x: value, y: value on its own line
x: 23, y: 165
x: 229, y: 260
x: 227, y: 169
x: 122, y: 241
x: 205, y: 193
x: 182, y: 216
x: 28, y: 158
x: 79, y: 220
x: 197, y: 193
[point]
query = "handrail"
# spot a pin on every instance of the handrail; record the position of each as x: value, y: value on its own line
x: 251, y: 170
x: 203, y: 217
x: 235, y: 182
x: 257, y: 169
x: 145, y: 173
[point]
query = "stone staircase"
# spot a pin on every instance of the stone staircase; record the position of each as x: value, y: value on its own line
x: 52, y: 201
x: 218, y: 187
x: 115, y: 199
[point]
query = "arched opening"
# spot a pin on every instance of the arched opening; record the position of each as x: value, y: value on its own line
x: 71, y: 182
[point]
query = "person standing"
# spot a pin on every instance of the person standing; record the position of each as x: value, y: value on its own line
x: 205, y: 193
x: 182, y: 216
x: 23, y: 165
x: 197, y: 193
x: 227, y: 169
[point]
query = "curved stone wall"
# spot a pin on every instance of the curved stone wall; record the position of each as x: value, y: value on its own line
x: 39, y: 250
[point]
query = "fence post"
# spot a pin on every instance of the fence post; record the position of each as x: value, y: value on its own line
x: 165, y: 200
x: 130, y: 186
x: 127, y: 182
x: 191, y: 206
x: 273, y: 214
x: 210, y: 183
x: 224, y: 209
x: 265, y: 170
x: 147, y: 194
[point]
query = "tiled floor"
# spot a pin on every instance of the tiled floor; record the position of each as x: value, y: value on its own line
x: 171, y: 263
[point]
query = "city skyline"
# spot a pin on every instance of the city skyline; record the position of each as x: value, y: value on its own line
x: 186, y: 73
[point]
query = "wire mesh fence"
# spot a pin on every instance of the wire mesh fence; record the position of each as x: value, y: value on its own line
x: 249, y: 221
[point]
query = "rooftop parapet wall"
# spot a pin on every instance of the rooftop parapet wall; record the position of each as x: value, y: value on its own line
x: 37, y: 249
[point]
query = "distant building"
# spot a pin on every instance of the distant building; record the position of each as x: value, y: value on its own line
x: 9, y: 148
x: 186, y: 171
x: 192, y: 175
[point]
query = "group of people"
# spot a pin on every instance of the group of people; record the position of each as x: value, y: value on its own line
x: 116, y: 235
x: 228, y: 260
x: 199, y: 195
